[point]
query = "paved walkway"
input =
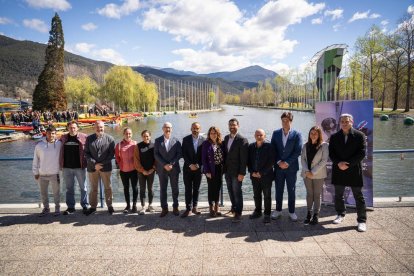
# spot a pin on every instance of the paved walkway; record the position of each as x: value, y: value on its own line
x: 198, y: 245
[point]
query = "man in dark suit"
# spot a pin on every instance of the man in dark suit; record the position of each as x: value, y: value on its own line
x: 347, y: 150
x: 191, y: 150
x: 236, y: 151
x: 167, y: 153
x: 288, y: 145
x: 260, y: 165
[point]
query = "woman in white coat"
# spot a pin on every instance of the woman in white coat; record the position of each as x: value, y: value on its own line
x: 314, y: 157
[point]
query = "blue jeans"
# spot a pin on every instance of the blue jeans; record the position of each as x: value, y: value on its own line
x: 234, y: 187
x: 290, y: 178
x: 69, y: 176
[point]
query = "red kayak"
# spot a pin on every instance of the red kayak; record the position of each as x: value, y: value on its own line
x: 17, y: 128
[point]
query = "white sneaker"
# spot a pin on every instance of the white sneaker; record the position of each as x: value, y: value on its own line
x: 293, y: 217
x: 276, y: 214
x: 362, y: 227
x: 142, y: 211
x: 150, y: 209
x: 338, y: 219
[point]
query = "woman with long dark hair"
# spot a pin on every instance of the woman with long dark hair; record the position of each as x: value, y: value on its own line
x: 212, y: 160
x: 314, y: 157
x: 144, y: 162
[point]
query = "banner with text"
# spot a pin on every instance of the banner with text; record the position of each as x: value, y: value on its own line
x: 327, y: 116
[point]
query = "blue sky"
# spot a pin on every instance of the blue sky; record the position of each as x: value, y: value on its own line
x: 201, y: 35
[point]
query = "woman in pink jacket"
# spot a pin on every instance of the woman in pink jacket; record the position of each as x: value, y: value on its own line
x: 124, y: 155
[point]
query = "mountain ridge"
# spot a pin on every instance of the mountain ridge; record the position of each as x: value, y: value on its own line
x: 21, y: 62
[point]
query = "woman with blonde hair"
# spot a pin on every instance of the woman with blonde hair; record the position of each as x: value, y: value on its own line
x: 314, y: 157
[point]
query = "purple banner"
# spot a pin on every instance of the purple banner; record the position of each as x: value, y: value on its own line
x: 327, y: 116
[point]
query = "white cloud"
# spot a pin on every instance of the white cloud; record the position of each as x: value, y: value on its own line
x: 207, y: 61
x: 280, y: 68
x: 117, y: 11
x: 363, y: 15
x: 410, y: 9
x: 384, y: 22
x: 5, y: 21
x: 334, y: 14
x: 109, y: 55
x: 225, y: 33
x: 57, y: 5
x: 36, y: 24
x: 336, y: 27
x: 89, y: 26
x: 316, y: 21
x: 84, y: 47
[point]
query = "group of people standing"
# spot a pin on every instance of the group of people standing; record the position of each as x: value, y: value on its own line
x: 213, y: 156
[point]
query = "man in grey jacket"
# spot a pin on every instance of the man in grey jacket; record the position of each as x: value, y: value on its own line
x: 167, y: 153
x: 99, y: 151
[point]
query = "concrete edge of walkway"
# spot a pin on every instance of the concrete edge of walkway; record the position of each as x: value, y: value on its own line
x: 378, y: 202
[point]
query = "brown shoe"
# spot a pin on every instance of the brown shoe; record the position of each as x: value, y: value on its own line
x: 217, y: 210
x: 185, y: 214
x: 176, y: 212
x: 164, y: 212
x: 195, y: 211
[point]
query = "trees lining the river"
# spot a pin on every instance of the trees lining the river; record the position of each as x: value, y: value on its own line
x: 379, y: 67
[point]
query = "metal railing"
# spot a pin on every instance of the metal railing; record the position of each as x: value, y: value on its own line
x: 402, y: 153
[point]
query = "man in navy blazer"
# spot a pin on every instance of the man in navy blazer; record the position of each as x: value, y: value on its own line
x: 288, y: 145
x: 191, y: 149
x: 236, y: 154
x: 167, y: 153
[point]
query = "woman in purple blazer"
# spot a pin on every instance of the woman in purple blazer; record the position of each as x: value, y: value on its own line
x: 212, y: 156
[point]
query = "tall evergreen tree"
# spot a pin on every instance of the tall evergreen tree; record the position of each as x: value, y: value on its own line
x: 50, y: 90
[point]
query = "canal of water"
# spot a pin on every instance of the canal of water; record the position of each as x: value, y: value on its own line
x: 392, y: 176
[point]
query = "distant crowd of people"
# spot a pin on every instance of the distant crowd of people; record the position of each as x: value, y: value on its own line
x: 214, y: 157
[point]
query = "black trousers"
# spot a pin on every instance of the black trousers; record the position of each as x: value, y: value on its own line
x: 146, y: 182
x: 214, y: 185
x: 126, y: 177
x: 192, y: 180
x: 359, y: 200
x: 262, y: 186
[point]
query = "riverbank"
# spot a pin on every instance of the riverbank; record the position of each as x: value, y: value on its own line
x: 121, y: 244
x: 399, y: 113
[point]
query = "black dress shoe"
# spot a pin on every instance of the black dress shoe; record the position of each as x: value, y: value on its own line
x: 255, y: 215
x: 111, y: 210
x: 315, y: 219
x: 164, y: 212
x: 185, y: 214
x: 266, y: 219
x: 237, y: 218
x: 90, y: 211
x: 176, y: 212
x: 69, y: 211
x: 308, y: 218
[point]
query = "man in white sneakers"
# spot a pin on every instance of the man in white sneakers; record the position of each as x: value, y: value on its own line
x: 46, y: 169
x: 347, y: 150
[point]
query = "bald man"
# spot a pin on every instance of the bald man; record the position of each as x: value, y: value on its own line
x: 260, y: 166
x: 167, y: 153
x: 99, y: 151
